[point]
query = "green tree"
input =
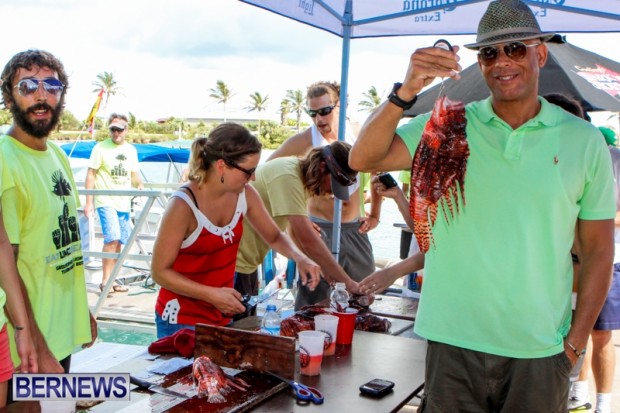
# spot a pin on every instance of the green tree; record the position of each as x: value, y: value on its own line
x: 222, y: 94
x: 5, y: 117
x: 285, y: 109
x: 296, y: 99
x: 258, y: 103
x: 178, y: 126
x: 372, y: 100
x: 68, y: 122
x: 274, y: 134
x: 110, y: 87
x: 132, y: 121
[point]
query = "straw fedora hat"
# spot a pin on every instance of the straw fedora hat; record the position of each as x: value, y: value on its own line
x: 505, y: 21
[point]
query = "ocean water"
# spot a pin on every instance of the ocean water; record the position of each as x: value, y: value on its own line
x: 385, y: 238
x: 125, y: 336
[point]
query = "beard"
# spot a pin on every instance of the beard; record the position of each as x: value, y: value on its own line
x: 40, y: 128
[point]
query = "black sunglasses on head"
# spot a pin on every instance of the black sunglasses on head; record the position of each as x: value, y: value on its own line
x: 233, y: 164
x: 514, y: 50
x: 321, y: 111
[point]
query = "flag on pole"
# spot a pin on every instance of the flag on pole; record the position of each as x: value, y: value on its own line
x: 90, y: 121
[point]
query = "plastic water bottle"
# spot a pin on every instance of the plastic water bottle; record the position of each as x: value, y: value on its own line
x: 271, y: 321
x: 339, y: 298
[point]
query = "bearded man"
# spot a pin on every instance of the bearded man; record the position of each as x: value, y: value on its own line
x: 39, y: 206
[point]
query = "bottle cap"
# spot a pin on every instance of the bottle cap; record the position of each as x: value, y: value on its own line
x: 271, y: 307
x: 340, y: 285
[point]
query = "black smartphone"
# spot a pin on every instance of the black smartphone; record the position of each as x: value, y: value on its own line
x: 377, y: 387
x: 387, y: 180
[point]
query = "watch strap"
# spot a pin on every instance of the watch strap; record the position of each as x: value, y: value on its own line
x: 395, y: 99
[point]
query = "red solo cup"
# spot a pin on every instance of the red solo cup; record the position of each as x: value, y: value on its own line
x: 346, y: 326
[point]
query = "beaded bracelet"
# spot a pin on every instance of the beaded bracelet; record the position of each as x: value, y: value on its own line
x: 577, y: 352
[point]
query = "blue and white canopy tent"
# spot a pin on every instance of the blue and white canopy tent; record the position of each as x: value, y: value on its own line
x: 176, y: 158
x: 352, y: 19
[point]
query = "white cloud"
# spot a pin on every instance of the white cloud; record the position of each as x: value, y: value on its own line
x: 166, y: 55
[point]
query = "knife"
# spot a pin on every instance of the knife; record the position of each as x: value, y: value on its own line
x: 143, y: 384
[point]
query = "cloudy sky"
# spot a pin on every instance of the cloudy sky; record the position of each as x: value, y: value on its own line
x: 166, y: 54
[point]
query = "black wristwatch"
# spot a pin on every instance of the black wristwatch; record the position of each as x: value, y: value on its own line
x: 393, y: 97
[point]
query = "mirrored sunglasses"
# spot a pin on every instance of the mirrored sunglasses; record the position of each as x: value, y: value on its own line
x: 514, y: 50
x: 321, y: 111
x: 232, y: 164
x: 30, y: 85
x: 116, y: 130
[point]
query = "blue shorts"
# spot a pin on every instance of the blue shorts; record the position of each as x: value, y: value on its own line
x: 609, y: 318
x: 165, y: 328
x: 114, y: 225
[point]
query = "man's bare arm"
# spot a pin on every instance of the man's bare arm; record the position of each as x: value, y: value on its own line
x: 596, y: 242
x: 296, y: 145
x: 47, y: 361
x: 314, y: 247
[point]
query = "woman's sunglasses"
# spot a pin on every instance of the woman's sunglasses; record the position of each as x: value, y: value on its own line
x: 515, y: 50
x: 30, y: 85
x: 321, y: 111
x: 232, y: 164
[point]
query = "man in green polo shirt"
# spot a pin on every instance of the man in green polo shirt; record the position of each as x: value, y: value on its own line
x: 496, y: 307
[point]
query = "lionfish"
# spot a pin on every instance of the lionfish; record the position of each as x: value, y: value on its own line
x: 212, y: 382
x: 438, y: 169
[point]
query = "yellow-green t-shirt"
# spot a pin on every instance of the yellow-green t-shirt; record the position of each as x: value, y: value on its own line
x: 114, y: 165
x: 39, y: 206
x: 2, y: 293
x: 280, y: 186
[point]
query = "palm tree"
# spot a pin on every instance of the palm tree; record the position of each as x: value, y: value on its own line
x: 372, y: 101
x: 109, y: 85
x: 133, y: 121
x: 285, y: 109
x: 296, y: 99
x: 222, y: 94
x: 259, y: 104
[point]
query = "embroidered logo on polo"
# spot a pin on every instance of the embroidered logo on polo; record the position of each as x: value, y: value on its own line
x: 67, y: 236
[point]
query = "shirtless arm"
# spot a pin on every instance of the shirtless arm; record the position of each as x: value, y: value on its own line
x: 89, y: 183
x: 296, y: 145
x: 377, y: 147
x: 47, y: 363
x: 596, y: 246
x: 310, y: 241
x: 263, y: 224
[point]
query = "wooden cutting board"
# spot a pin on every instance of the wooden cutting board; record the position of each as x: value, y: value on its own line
x: 246, y: 350
x: 261, y: 387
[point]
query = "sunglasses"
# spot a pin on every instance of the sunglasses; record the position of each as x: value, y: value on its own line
x: 232, y: 164
x: 321, y: 111
x: 30, y: 85
x: 116, y: 130
x: 515, y: 50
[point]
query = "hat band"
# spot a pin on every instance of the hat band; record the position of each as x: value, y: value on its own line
x: 517, y: 31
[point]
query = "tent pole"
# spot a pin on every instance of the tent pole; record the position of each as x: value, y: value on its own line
x: 342, y: 120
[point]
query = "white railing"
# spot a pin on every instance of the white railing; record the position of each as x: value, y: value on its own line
x: 134, y: 236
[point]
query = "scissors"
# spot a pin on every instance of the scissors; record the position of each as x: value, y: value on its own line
x: 302, y: 392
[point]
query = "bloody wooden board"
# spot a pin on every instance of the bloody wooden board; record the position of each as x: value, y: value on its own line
x: 246, y: 350
x: 261, y: 387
